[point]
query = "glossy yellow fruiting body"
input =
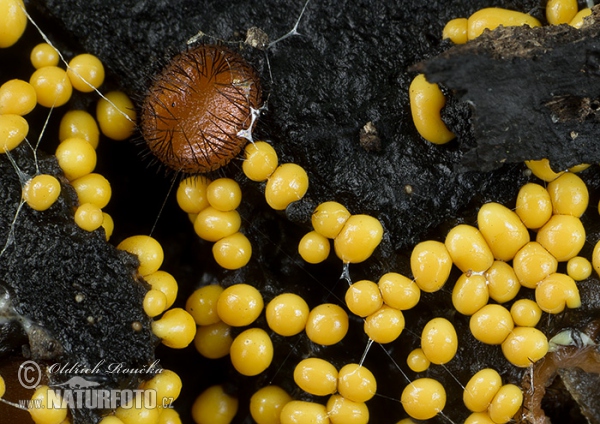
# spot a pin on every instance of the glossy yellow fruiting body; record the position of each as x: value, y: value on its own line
x: 266, y: 404
x: 213, y: 225
x: 251, y: 352
x: 80, y: 124
x: 191, y: 194
x: 155, y: 303
x: 596, y: 258
x: 470, y: 293
x: 426, y: 102
x: 555, y: 292
x: 316, y: 376
x: 287, y: 314
x: 314, y: 248
x: 439, y: 341
x: 48, y: 406
x: 287, y: 184
x: 385, y: 325
x: 232, y: 252
x: 329, y: 218
x: 13, y: 22
x: 52, y: 86
x: 117, y: 117
x: 479, y: 418
x: 359, y: 237
x: 398, y: 291
x: 213, y: 341
x: 456, y: 30
x: 534, y: 206
x: 176, y: 328
x: 524, y: 346
x: 214, y: 406
x: 357, y: 383
x: 2, y: 386
x: 430, y: 264
x: 93, y: 188
x: 491, y: 324
x: 468, y: 249
x: 260, y: 161
x: 506, y: 403
x: 424, y: 398
x: 578, y: 19
x: 86, y: 72
x: 569, y: 195
x: 525, y: 313
x: 89, y: 217
x: 41, y: 192
x: 345, y: 411
x: 563, y: 236
x: 503, y: 284
x: 224, y: 194
x: 579, y: 268
x: 13, y: 130
x: 533, y: 263
x: 481, y: 389
x: 299, y: 411
x: 169, y: 416
x: 202, y: 304
x: 561, y: 11
x: 492, y: 17
x: 108, y: 224
x: 239, y: 305
x: 166, y: 283
x: 363, y: 298
x: 327, y: 324
x: 502, y: 229
x: 541, y: 169
x: 44, y: 55
x: 167, y: 385
x: 111, y: 419
x: 17, y: 97
x: 76, y: 157
x: 417, y: 360
x: 148, y: 250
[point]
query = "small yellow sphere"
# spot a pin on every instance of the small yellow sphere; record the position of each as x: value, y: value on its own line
x: 561, y: 11
x: 470, y: 293
x: 534, y: 206
x: 41, y: 192
x: 168, y: 416
x: 111, y: 419
x: 166, y: 283
x: 191, y: 194
x: 108, y: 224
x: 260, y: 161
x: 502, y: 229
x: 541, y: 169
x: 17, y: 97
x: 224, y: 194
x: 431, y: 264
x: 89, y: 217
x: 86, y: 72
x: 578, y: 19
x: 363, y: 298
x: 213, y: 341
x: 468, y: 249
x: 398, y: 291
x: 155, y: 303
x: 298, y: 411
x: 48, y: 406
x: 479, y: 418
x: 424, y: 398
x: 232, y: 252
x: 327, y: 324
x: 214, y: 406
x: 481, y: 389
x: 456, y: 30
x: 329, y: 218
x: 287, y: 314
x: 44, y: 55
x: 491, y: 324
x: 314, y: 248
x: 506, y: 403
x: 176, y: 328
x: 563, y: 236
x: 116, y: 115
x: 439, y: 341
x: 555, y: 292
x: 13, y: 130
x: 202, y: 304
x: 80, y: 124
x: 316, y: 376
x: 596, y: 258
x: 525, y: 313
x: 266, y: 404
x: 14, y: 21
x: 239, y: 305
x: 52, y: 86
x: 76, y: 157
x: 492, y: 17
x: 569, y: 195
x: 524, y: 346
x: 287, y: 184
x: 213, y: 225
x: 358, y: 238
x: 148, y: 250
x: 93, y: 188
x: 2, y: 386
x: 426, y: 102
x: 345, y: 411
x: 167, y: 385
x: 579, y: 268
x: 417, y: 360
x: 503, y: 284
x: 385, y: 325
x: 533, y: 263
x: 251, y: 352
x: 357, y: 383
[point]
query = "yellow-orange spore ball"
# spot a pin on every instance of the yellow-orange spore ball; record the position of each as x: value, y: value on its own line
x: 492, y: 17
x: 358, y: 238
x: 86, y: 72
x: 503, y: 284
x: 213, y: 225
x: 470, y: 293
x: 41, y: 192
x: 108, y: 224
x: 363, y: 298
x: 93, y: 188
x: 357, y: 383
x: 110, y: 419
x: 563, y: 236
x: 13, y: 130
x: 327, y: 324
x: 198, y: 106
x: 191, y: 194
x: 147, y: 249
x: 506, y: 403
x: 44, y: 55
x: 89, y: 217
x: 287, y: 184
x: 479, y: 418
x: 578, y: 19
x: 17, y: 97
x: 481, y: 389
x: 47, y: 406
x: 430, y: 264
x: 176, y: 328
x: 232, y: 252
x: 534, y: 206
x: 155, y: 303
x: 287, y: 314
x: 251, y: 352
x: 202, y: 304
x: 329, y: 218
x: 541, y: 169
x: 260, y: 161
x: 579, y: 268
x: 555, y: 292
x: 417, y: 360
x: 561, y: 11
x: 502, y: 229
x: 116, y: 115
x: 314, y: 248
x: 80, y: 124
x: 52, y: 86
x: 384, y: 325
x: 316, y: 376
x: 214, y: 406
x: 213, y: 341
x: 299, y: 411
x: 2, y: 386
x: 569, y: 195
x: 266, y: 404
x: 167, y: 385
x: 398, y: 291
x: 491, y: 324
x: 166, y: 283
x: 525, y: 313
x: 239, y: 305
x: 345, y: 411
x: 456, y: 30
x: 596, y: 258
x: 168, y: 416
x: 533, y: 263
x: 524, y: 346
x: 13, y: 22
x: 224, y: 194
x: 468, y: 249
x: 76, y: 157
x: 426, y: 102
x: 424, y: 398
x: 439, y: 341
